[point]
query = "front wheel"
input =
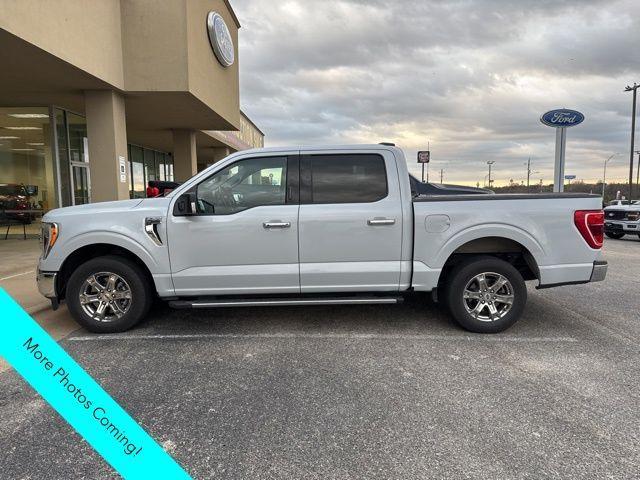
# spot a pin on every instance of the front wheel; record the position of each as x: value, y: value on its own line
x: 486, y: 295
x: 108, y: 294
x: 615, y: 235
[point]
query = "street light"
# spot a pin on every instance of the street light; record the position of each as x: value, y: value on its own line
x: 604, y: 174
x: 633, y: 89
x: 490, y: 162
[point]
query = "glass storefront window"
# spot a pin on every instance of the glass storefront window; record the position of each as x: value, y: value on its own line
x: 28, y: 179
x: 146, y: 165
x: 138, y: 183
x: 160, y: 165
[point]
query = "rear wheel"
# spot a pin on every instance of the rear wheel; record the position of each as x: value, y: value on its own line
x: 486, y: 295
x: 108, y: 294
x: 615, y: 235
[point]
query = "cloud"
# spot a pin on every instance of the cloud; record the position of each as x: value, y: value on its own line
x: 471, y: 77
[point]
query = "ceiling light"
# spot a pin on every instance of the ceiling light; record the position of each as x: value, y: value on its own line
x: 23, y: 149
x: 35, y: 144
x: 28, y: 115
x: 9, y: 138
x: 23, y: 128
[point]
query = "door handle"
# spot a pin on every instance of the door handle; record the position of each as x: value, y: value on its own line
x: 381, y: 221
x: 276, y: 224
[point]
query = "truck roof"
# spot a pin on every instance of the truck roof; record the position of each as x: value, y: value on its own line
x: 307, y: 148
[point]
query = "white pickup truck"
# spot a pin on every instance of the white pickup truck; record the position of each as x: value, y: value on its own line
x: 316, y: 225
x: 622, y: 218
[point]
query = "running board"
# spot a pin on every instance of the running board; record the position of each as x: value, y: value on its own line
x: 276, y: 302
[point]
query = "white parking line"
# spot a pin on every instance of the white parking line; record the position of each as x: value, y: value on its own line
x: 17, y: 275
x: 345, y: 336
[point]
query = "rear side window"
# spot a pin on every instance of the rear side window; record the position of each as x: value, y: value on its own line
x: 350, y: 178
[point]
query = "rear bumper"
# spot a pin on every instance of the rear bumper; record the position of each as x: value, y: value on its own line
x: 599, y: 272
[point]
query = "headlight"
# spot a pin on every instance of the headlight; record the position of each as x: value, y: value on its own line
x: 50, y: 233
x: 633, y: 216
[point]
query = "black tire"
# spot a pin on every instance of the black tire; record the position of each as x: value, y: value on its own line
x: 458, y: 280
x: 615, y: 235
x: 141, y: 295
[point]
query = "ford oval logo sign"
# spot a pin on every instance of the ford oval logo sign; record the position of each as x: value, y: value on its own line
x: 562, y: 118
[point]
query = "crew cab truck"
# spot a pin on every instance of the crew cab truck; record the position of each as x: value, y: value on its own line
x: 316, y: 225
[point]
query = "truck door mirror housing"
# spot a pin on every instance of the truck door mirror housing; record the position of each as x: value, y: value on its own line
x: 185, y: 205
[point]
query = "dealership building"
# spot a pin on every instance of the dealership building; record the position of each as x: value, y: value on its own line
x: 97, y: 98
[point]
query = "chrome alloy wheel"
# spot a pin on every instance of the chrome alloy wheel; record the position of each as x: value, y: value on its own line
x: 105, y: 296
x: 488, y: 296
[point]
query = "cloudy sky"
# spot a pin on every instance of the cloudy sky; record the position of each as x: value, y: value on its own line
x: 471, y: 77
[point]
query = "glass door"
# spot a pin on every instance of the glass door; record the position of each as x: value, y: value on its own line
x: 78, y: 150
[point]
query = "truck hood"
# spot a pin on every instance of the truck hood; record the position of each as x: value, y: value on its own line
x: 106, y: 207
x: 623, y: 208
x: 91, y: 209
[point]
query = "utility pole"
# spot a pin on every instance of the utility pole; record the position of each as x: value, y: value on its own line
x: 528, y: 172
x: 490, y: 162
x: 441, y: 173
x: 604, y: 174
x: 638, y: 170
x: 633, y: 89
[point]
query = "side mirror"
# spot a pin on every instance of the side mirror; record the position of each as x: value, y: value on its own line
x: 185, y: 205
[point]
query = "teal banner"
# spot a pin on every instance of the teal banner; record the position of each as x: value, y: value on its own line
x: 79, y: 399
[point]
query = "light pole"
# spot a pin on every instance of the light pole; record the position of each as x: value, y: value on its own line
x: 441, y: 174
x: 604, y: 174
x: 633, y: 89
x: 490, y: 162
x: 638, y: 170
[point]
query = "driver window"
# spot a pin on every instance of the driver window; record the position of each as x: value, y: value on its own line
x: 245, y: 184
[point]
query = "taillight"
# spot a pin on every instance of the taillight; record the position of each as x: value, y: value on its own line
x: 590, y: 224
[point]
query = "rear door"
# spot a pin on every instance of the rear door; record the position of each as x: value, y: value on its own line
x: 350, y: 222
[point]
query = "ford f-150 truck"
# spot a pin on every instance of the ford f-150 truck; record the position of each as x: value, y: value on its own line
x: 622, y: 219
x: 316, y: 225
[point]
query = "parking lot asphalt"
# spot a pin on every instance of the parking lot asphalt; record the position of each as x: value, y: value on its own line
x: 364, y: 391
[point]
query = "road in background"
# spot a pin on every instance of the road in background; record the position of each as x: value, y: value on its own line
x: 364, y: 391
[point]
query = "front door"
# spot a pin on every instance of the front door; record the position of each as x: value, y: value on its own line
x: 350, y: 223
x: 244, y: 238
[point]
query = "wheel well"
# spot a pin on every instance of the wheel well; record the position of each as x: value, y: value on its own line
x: 503, y: 248
x: 89, y: 252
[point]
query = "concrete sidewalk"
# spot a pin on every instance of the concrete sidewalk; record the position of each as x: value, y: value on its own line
x: 18, y: 260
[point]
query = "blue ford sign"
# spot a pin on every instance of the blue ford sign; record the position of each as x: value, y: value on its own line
x: 562, y: 118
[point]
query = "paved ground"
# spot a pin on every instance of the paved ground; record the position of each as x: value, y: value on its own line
x: 18, y: 277
x: 364, y: 392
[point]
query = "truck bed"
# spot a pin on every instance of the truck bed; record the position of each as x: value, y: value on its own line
x: 540, y: 226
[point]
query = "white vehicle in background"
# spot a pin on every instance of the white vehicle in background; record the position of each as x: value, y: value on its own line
x: 622, y: 219
x: 314, y: 226
x: 619, y: 203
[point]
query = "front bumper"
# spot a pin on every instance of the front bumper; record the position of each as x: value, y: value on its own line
x: 620, y: 227
x: 47, y: 285
x: 599, y: 272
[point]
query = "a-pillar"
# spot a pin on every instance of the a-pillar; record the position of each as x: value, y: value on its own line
x: 107, y: 138
x: 185, y: 158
